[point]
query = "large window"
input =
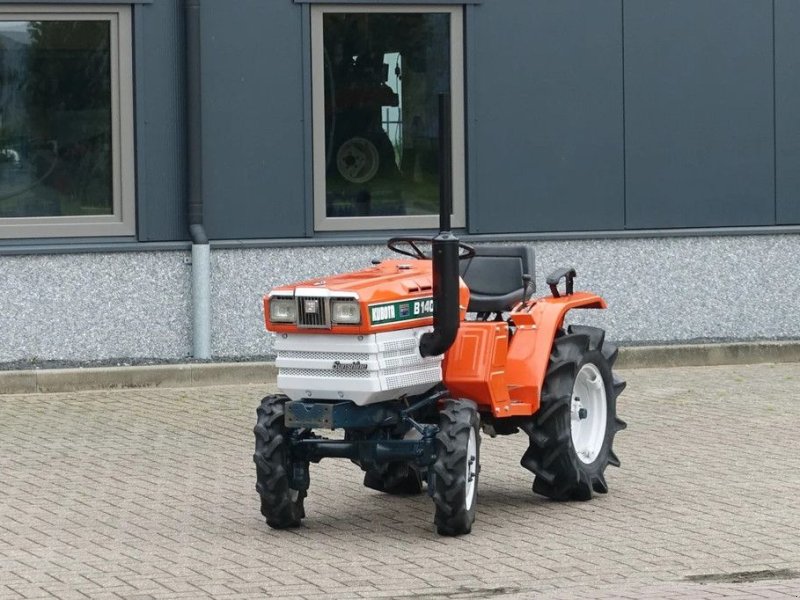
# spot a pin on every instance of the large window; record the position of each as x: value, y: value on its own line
x: 66, y: 125
x: 378, y: 73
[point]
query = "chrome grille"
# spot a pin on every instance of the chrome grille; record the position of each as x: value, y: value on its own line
x: 312, y: 312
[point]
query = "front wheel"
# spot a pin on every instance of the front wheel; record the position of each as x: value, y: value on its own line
x: 572, y: 433
x: 280, y: 503
x: 455, y: 471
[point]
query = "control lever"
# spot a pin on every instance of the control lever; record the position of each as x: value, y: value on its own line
x: 552, y: 280
x: 526, y: 283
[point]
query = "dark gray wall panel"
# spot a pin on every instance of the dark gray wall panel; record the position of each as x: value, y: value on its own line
x: 253, y: 119
x: 78, y: 2
x: 699, y: 113
x: 787, y: 110
x: 158, y: 59
x: 545, y: 115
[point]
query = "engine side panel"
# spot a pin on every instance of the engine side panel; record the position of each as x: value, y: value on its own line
x: 475, y: 364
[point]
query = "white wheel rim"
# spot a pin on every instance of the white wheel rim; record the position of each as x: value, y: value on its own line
x: 471, y: 468
x: 357, y: 160
x: 588, y: 413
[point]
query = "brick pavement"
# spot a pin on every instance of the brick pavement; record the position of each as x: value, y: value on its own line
x: 149, y: 494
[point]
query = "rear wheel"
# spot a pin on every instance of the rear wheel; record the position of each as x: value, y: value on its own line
x: 571, y: 435
x: 455, y: 471
x: 280, y: 504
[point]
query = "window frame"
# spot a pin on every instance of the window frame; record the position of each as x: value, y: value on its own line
x: 323, y: 223
x: 122, y: 220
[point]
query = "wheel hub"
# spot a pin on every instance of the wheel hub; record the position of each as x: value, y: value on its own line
x: 588, y: 413
x: 471, y: 468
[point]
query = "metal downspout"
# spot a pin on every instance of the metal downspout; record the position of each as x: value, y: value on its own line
x: 201, y: 254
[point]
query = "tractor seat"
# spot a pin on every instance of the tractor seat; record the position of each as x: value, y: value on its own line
x: 494, y: 277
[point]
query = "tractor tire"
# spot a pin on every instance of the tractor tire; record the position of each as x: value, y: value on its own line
x: 571, y: 435
x: 395, y: 478
x: 454, y: 474
x: 280, y: 504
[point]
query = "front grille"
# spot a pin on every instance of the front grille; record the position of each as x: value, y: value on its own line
x: 343, y: 356
x: 312, y: 312
x: 326, y: 373
x: 400, y: 346
x: 366, y: 368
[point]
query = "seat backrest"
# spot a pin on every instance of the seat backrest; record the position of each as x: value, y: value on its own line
x: 494, y: 276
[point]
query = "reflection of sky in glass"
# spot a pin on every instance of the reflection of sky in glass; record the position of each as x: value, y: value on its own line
x: 393, y: 115
x: 16, y: 26
x: 16, y: 30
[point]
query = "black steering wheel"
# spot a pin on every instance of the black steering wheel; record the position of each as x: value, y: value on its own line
x: 395, y: 245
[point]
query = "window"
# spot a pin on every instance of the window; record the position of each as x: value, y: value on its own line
x: 66, y: 123
x: 377, y: 73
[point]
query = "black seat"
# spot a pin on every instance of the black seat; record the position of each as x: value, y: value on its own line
x: 494, y: 277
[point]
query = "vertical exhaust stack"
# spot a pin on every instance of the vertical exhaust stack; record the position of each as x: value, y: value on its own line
x: 446, y: 313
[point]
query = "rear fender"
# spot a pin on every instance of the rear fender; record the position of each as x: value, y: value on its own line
x: 537, y: 323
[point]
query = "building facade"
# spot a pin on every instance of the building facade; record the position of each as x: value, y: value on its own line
x: 652, y: 144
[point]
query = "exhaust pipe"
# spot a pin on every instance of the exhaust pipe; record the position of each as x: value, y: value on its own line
x: 446, y: 313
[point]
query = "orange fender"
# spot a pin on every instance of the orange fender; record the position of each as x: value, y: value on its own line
x: 529, y: 351
x: 505, y: 376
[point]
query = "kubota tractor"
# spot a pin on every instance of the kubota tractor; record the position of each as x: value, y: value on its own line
x: 413, y: 357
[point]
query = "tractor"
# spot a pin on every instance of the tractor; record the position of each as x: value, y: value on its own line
x: 414, y: 357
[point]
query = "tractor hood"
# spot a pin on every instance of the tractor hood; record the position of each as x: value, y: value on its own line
x: 393, y: 295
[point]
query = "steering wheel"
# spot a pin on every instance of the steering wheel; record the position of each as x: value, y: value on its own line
x: 395, y: 243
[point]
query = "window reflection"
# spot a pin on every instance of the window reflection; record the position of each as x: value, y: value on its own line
x: 55, y: 118
x: 383, y: 74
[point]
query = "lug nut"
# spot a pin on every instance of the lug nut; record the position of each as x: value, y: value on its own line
x: 583, y: 413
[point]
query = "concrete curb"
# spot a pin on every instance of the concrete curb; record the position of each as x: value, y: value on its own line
x: 707, y: 355
x: 167, y: 376
x: 193, y: 375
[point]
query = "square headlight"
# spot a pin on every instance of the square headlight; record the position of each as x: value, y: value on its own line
x: 282, y: 310
x: 345, y: 312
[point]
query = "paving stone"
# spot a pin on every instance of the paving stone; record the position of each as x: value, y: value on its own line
x: 150, y: 493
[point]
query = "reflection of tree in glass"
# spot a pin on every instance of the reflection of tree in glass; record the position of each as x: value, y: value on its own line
x: 68, y: 90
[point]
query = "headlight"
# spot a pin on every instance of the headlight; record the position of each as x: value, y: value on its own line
x: 282, y: 310
x: 345, y: 312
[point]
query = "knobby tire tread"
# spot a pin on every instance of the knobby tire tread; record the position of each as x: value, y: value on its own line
x: 449, y: 470
x: 559, y: 473
x: 271, y: 458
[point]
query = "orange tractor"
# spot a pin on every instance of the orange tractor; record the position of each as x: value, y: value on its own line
x: 414, y: 357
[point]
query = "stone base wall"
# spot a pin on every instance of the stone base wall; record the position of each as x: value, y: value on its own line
x: 138, y: 304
